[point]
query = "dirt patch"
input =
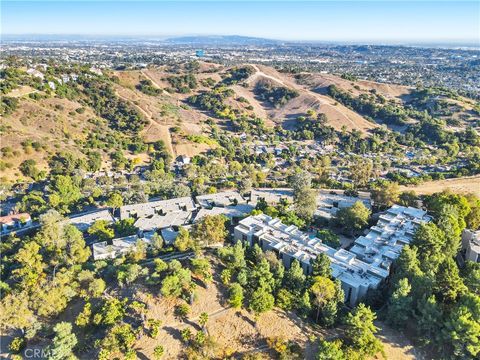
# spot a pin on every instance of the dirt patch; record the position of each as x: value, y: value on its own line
x: 469, y: 184
x: 396, y: 345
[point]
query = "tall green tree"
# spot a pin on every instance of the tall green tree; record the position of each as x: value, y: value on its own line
x: 354, y: 217
x: 360, y: 331
x: 400, y: 304
x: 63, y: 343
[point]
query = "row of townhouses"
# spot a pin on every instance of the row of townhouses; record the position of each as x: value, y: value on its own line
x: 167, y: 216
x: 360, y: 269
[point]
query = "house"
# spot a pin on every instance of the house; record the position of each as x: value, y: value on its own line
x: 183, y: 160
x: 119, y: 247
x: 221, y: 199
x: 289, y: 243
x: 83, y: 221
x: 385, y: 241
x: 35, y: 73
x: 471, y: 245
x: 15, y: 222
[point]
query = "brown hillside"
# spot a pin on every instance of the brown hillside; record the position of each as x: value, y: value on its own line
x: 337, y: 114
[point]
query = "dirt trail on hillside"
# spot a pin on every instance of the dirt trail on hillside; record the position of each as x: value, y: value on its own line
x: 337, y: 114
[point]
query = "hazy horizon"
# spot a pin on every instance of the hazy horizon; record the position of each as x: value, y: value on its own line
x: 387, y: 22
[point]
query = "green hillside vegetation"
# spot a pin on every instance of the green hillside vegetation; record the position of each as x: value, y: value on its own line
x: 146, y: 86
x: 277, y: 96
x: 183, y: 84
x: 238, y: 74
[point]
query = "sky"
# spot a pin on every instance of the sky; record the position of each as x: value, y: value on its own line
x: 350, y: 21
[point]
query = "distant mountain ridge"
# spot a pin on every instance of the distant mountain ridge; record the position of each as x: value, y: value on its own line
x: 220, y: 40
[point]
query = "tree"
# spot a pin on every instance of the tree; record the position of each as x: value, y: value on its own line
x: 329, y: 238
x: 449, y: 284
x: 171, y: 286
x: 261, y: 301
x: 119, y: 338
x: 361, y: 172
x: 330, y: 350
x: 157, y: 242
x: 28, y: 168
x: 400, y: 304
x: 115, y: 201
x: 294, y: 279
x: 321, y: 266
x: 83, y: 319
x: 354, y: 217
x: 462, y: 328
x: 15, y: 312
x: 430, y: 317
x: 301, y: 180
x: 235, y: 297
x: 101, y: 230
x: 386, y: 194
x: 429, y: 239
x: 202, y: 320
x: 245, y: 185
x: 471, y: 276
x: 31, y: 266
x: 305, y: 201
x: 63, y: 342
x: 64, y: 193
x: 201, y: 267
x: 153, y: 327
x: 125, y: 227
x: 112, y: 311
x: 408, y: 198
x: 184, y: 241
x: 158, y: 352
x: 210, y: 230
x: 323, y: 290
x: 360, y: 331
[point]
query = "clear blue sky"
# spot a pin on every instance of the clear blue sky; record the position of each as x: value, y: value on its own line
x: 322, y: 20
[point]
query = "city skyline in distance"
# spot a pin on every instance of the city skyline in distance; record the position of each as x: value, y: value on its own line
x: 387, y: 22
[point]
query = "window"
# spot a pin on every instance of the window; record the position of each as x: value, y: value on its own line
x: 349, y: 295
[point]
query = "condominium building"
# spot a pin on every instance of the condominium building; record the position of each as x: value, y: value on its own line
x: 385, y: 241
x: 471, y: 245
x: 83, y: 221
x: 119, y: 247
x: 159, y: 207
x: 356, y: 276
x: 221, y: 199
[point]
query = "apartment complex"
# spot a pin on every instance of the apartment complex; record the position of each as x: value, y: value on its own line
x: 120, y: 246
x: 471, y: 245
x: 292, y: 244
x: 384, y: 242
x: 360, y: 269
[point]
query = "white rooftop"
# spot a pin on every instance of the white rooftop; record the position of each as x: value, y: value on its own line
x: 290, y: 240
x: 385, y: 241
x: 119, y: 247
